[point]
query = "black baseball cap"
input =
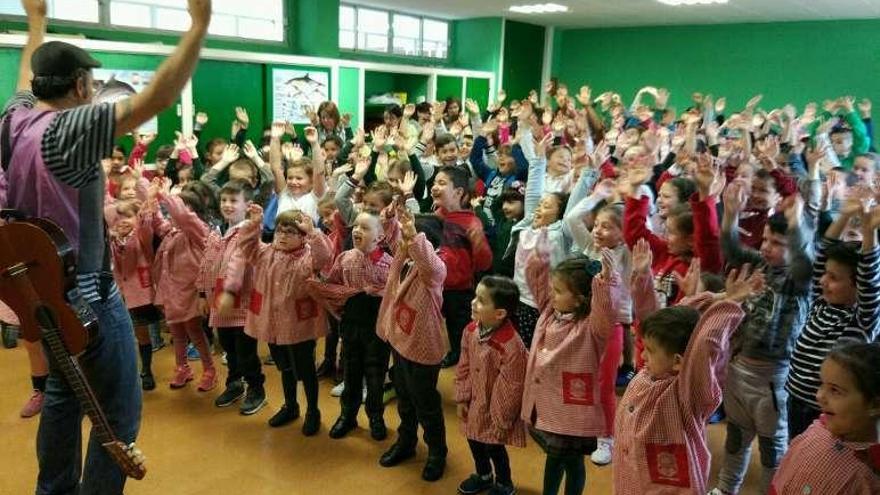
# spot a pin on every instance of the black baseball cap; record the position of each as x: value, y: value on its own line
x: 59, y: 59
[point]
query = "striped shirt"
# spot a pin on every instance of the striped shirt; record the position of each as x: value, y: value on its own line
x: 72, y: 147
x: 827, y: 324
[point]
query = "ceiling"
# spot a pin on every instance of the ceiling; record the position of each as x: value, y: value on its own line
x: 615, y: 13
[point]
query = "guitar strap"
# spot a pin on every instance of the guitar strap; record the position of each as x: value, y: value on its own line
x: 5, y: 143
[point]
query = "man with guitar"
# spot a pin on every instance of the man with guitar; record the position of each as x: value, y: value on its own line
x: 52, y: 140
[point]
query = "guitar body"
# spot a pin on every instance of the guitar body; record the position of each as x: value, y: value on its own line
x: 38, y: 282
x: 41, y: 247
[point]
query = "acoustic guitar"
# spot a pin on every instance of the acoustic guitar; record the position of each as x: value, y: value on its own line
x: 38, y: 282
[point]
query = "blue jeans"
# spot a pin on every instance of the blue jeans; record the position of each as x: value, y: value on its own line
x: 110, y: 366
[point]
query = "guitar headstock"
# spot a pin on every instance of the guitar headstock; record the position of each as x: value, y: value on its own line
x: 129, y: 458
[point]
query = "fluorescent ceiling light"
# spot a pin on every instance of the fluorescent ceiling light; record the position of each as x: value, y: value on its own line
x: 539, y: 8
x: 691, y: 2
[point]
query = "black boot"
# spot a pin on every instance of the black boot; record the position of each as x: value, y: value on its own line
x: 312, y: 423
x: 377, y: 428
x: 398, y: 453
x: 342, y: 427
x: 285, y: 415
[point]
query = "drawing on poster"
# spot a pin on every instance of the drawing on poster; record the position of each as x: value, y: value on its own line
x: 294, y: 90
x: 112, y: 85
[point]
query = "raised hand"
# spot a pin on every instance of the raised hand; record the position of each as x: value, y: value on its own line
x: 471, y: 106
x: 361, y: 167
x: 583, y: 96
x: 689, y: 284
x: 255, y: 213
x: 848, y: 104
x: 345, y: 120
x: 743, y: 283
x: 427, y: 132
x: 408, y: 183
x: 753, y: 103
x: 242, y: 116
x: 311, y: 135
x: 379, y: 135
x: 661, y: 99
x: 642, y: 258
x: 201, y: 119
x: 720, y: 105
x: 304, y: 224
x: 230, y: 154
x: 200, y: 13
x: 277, y: 130
x: 34, y: 8
x: 735, y: 197
x: 542, y: 143
x: 250, y: 150
x: 408, y: 111
x: 605, y: 189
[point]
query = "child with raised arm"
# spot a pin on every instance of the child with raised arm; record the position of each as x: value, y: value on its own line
x: 411, y: 322
x: 489, y: 386
x: 282, y: 313
x: 232, y: 298
x: 660, y: 437
x: 846, y: 303
x: 131, y: 244
x: 359, y: 276
x: 839, y: 452
x: 177, y: 268
x: 755, y: 391
x: 561, y: 405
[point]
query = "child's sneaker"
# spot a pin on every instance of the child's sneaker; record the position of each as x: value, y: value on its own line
x: 602, y: 455
x: 625, y: 374
x: 234, y: 391
x: 337, y: 390
x: 192, y: 354
x: 182, y: 375
x: 208, y: 380
x: 500, y: 489
x: 33, y: 406
x: 253, y: 401
x: 475, y: 484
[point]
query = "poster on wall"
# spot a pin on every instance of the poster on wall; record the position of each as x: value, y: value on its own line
x: 294, y: 90
x: 112, y: 85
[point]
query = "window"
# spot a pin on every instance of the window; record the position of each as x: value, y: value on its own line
x: 435, y: 38
x: 263, y: 19
x: 372, y: 30
x: 82, y: 11
x: 407, y: 31
x: 368, y: 29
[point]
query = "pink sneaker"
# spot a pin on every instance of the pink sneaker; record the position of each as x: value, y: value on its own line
x: 33, y: 406
x: 208, y: 380
x: 182, y: 375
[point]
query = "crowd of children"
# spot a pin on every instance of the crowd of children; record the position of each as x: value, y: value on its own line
x: 550, y: 252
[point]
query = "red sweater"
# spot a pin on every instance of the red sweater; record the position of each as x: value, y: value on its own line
x: 464, y: 249
x: 706, y: 239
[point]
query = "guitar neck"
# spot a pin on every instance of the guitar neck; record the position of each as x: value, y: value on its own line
x: 72, y: 372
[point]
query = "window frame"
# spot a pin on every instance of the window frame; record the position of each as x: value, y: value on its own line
x: 104, y: 24
x: 389, y: 49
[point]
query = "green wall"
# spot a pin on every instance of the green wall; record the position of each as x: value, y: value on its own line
x: 476, y: 44
x: 219, y: 87
x: 348, y: 94
x: 449, y: 86
x: 523, y: 58
x: 793, y: 62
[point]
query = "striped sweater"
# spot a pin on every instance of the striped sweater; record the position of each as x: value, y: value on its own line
x: 827, y: 324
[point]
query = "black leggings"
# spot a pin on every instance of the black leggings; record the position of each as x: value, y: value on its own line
x: 241, y: 357
x: 457, y: 311
x: 572, y: 466
x: 487, y: 455
x: 296, y: 362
